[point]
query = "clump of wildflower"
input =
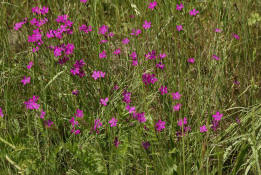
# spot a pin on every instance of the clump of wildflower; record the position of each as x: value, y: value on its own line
x: 217, y: 30
x: 77, y: 68
x: 162, y: 55
x: 98, y: 74
x: 32, y: 103
x: 215, y: 57
x: 151, y: 55
x: 74, y: 123
x: 117, y: 51
x: 217, y: 116
x: 146, y: 25
x: 29, y: 66
x: 38, y: 23
x: 160, y: 125
x: 103, y: 54
x: 97, y: 125
x: 104, y: 101
x: 160, y: 65
x: 83, y: 1
x: 133, y: 55
x: 139, y: 116
x: 126, y: 97
x: 177, y: 107
x: 85, y: 29
x: 146, y: 145
x: 103, y: 29
x: 182, y: 122
x: 236, y: 36
x: 1, y: 113
x: 179, y: 27
x: 79, y: 113
x: 135, y: 32
x: 191, y: 60
x: 179, y: 7
x: 40, y: 11
x: 63, y: 60
x: 163, y: 90
x: 48, y: 123
x: 125, y: 41
x: 203, y: 129
x: 113, y: 122
x: 149, y: 78
x: 116, y: 142
x: 193, y: 12
x: 26, y: 80
x: 18, y: 25
x: 175, y: 95
x: 152, y: 5
x: 130, y: 109
x: 42, y: 114
x: 36, y: 36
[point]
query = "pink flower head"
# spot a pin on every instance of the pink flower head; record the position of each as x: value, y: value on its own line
x: 113, y: 122
x: 149, y: 78
x: 177, y: 107
x: 103, y: 29
x: 104, y: 101
x: 163, y: 90
x: 42, y: 114
x: 97, y: 124
x: 182, y: 122
x: 125, y: 41
x: 85, y: 29
x: 146, y: 25
x: 218, y: 30
x: 29, y: 66
x: 69, y: 49
x: 162, y: 55
x: 18, y: 25
x: 191, y: 60
x: 76, y: 132
x: 98, y: 74
x: 111, y: 34
x: 217, y: 116
x: 136, y: 32
x: 103, y: 54
x: 139, y: 116
x: 116, y: 142
x: 193, y: 12
x: 32, y: 103
x: 83, y: 1
x: 179, y: 6
x: 236, y: 36
x: 160, y: 65
x: 203, y: 129
x: 152, y: 5
x: 117, y: 51
x: 73, y: 122
x: 1, y: 113
x: 26, y: 80
x: 179, y: 27
x: 130, y: 109
x: 79, y: 113
x: 49, y: 123
x: 215, y: 57
x: 176, y: 95
x: 103, y: 41
x: 160, y: 125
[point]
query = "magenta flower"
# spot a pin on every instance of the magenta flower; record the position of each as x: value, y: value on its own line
x: 111, y: 34
x: 97, y: 124
x: 130, y: 109
x: 103, y: 41
x: 49, y: 123
x: 176, y: 95
x: 193, y: 12
x: 104, y: 101
x: 191, y: 60
x: 149, y: 78
x: 236, y: 36
x: 69, y: 49
x: 76, y: 132
x: 103, y: 29
x: 98, y: 74
x: 179, y: 6
x: 126, y: 97
x: 139, y: 116
x: 160, y: 125
x: 18, y: 25
x: 116, y: 142
x: 79, y: 113
x: 83, y: 1
x: 29, y: 66
x: 163, y: 90
x: 215, y: 57
x: 152, y: 5
x: 42, y: 114
x: 146, y: 25
x: 26, y: 80
x: 117, y: 51
x: 177, y: 107
x: 160, y: 65
x: 136, y: 32
x: 73, y: 122
x: 203, y: 129
x: 182, y: 121
x: 85, y: 29
x: 125, y: 41
x: 162, y: 55
x: 1, y: 113
x: 217, y: 116
x: 103, y: 54
x: 179, y: 27
x: 32, y: 103
x: 113, y: 122
x: 146, y: 145
x: 218, y: 30
x: 151, y: 55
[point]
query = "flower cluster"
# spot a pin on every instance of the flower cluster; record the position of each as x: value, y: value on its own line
x: 149, y: 78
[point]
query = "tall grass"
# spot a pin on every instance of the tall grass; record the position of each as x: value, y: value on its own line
x: 230, y: 85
